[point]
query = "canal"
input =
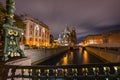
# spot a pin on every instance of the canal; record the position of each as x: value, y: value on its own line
x: 72, y: 58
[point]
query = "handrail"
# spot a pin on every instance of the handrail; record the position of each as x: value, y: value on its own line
x: 108, y: 71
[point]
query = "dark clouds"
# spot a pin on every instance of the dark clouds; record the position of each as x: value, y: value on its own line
x: 89, y: 16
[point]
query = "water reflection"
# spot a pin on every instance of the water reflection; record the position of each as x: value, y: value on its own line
x: 73, y: 57
x: 65, y: 60
x: 80, y: 50
x: 85, y: 56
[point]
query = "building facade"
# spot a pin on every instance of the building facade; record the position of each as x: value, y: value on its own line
x: 93, y: 39
x: 112, y: 37
x: 67, y: 37
x: 109, y: 38
x: 36, y: 33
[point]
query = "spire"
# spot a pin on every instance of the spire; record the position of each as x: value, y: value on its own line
x: 73, y: 33
x: 67, y: 30
x: 73, y: 28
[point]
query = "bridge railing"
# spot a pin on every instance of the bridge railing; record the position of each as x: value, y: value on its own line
x: 70, y: 72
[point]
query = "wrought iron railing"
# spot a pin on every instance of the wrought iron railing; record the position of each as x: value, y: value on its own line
x: 109, y: 71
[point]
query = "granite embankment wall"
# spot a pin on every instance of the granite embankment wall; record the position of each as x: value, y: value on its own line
x: 42, y: 54
x: 108, y: 54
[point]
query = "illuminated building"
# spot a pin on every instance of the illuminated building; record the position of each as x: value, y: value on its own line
x: 112, y: 38
x: 93, y: 39
x: 67, y: 37
x: 36, y: 34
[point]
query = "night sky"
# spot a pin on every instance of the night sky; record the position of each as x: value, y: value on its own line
x: 88, y: 16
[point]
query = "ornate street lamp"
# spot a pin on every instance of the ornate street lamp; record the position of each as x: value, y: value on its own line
x: 10, y: 35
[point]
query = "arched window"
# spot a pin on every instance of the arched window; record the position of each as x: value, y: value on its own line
x: 36, y: 28
x: 43, y: 30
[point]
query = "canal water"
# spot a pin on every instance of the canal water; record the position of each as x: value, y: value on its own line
x: 73, y: 57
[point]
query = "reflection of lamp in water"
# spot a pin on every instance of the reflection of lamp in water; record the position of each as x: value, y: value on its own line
x: 65, y: 61
x: 71, y: 55
x: 85, y: 56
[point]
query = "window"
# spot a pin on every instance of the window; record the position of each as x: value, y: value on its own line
x: 30, y: 39
x: 36, y: 33
x: 36, y: 27
x: 36, y: 39
x: 30, y: 32
x: 31, y: 27
x: 43, y: 30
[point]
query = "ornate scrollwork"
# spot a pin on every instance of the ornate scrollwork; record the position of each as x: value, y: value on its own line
x: 15, y: 33
x: 11, y: 32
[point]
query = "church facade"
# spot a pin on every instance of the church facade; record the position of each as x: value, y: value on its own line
x: 68, y: 37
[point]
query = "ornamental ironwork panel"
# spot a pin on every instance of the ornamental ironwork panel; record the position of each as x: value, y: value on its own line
x: 9, y: 35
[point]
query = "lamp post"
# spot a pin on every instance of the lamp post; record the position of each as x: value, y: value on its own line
x: 11, y: 34
x: 10, y: 8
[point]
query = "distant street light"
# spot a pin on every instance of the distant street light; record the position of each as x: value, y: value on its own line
x: 22, y: 38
